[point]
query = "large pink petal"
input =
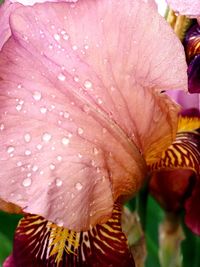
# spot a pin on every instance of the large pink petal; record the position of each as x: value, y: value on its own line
x: 80, y: 88
x: 32, y: 2
x: 5, y: 10
x: 186, y: 7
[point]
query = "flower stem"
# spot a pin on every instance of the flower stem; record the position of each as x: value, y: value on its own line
x: 170, y: 238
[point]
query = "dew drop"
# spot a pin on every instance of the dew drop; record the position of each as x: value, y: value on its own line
x: 34, y: 168
x: 39, y: 146
x: 87, y: 84
x: 80, y: 156
x: 46, y: 137
x: 80, y: 131
x: 74, y: 47
x: 56, y: 37
x: 27, y: 182
x: 86, y: 47
x: 52, y: 167
x: 43, y: 110
x: 2, y: 127
x: 65, y: 37
x: 61, y: 77
x: 76, y: 78
x: 27, y: 152
x: 19, y: 163
x: 65, y: 141
x: 78, y: 186
x: 58, y: 182
x: 59, y: 158
x: 86, y: 108
x: 10, y: 149
x: 99, y: 101
x: 66, y: 115
x: 18, y: 107
x: 95, y: 151
x: 27, y: 137
x: 37, y: 95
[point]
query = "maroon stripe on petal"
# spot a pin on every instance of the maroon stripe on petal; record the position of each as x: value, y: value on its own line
x: 40, y: 243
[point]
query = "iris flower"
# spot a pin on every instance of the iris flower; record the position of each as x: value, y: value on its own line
x: 175, y: 179
x: 82, y: 113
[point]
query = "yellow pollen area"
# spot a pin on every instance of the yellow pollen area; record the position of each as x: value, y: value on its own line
x: 188, y: 124
x: 62, y: 240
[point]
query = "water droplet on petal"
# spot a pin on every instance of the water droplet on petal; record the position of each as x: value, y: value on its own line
x: 34, y: 168
x: 18, y: 107
x: 46, y: 137
x: 43, y: 110
x: 10, y: 149
x: 80, y: 131
x: 19, y: 163
x: 27, y: 152
x: 56, y: 37
x: 65, y: 141
x: 74, y: 47
x: 66, y: 37
x: 87, y: 84
x: 95, y: 151
x: 99, y: 101
x: 76, y: 78
x: 52, y: 167
x: 2, y: 127
x: 78, y: 186
x: 27, y: 182
x: 59, y: 158
x: 58, y: 182
x: 37, y: 95
x: 66, y: 115
x: 61, y: 77
x: 39, y: 146
x: 27, y: 137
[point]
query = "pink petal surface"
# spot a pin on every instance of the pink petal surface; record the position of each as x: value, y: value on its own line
x: 80, y: 99
x: 32, y: 2
x: 5, y: 10
x: 186, y: 7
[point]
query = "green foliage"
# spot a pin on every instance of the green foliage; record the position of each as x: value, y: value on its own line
x: 8, y: 224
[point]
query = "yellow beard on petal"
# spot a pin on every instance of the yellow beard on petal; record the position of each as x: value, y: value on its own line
x: 188, y: 123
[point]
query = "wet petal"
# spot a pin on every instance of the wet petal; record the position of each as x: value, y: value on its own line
x: 39, y: 242
x: 186, y: 7
x: 80, y: 106
x: 176, y: 173
x: 5, y: 10
x: 32, y: 2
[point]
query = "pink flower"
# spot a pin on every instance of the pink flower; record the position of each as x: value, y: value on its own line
x: 186, y: 7
x: 81, y: 106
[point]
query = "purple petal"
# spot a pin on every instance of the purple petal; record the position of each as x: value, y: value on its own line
x: 194, y: 75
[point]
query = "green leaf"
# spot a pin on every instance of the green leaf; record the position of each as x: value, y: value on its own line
x: 8, y: 223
